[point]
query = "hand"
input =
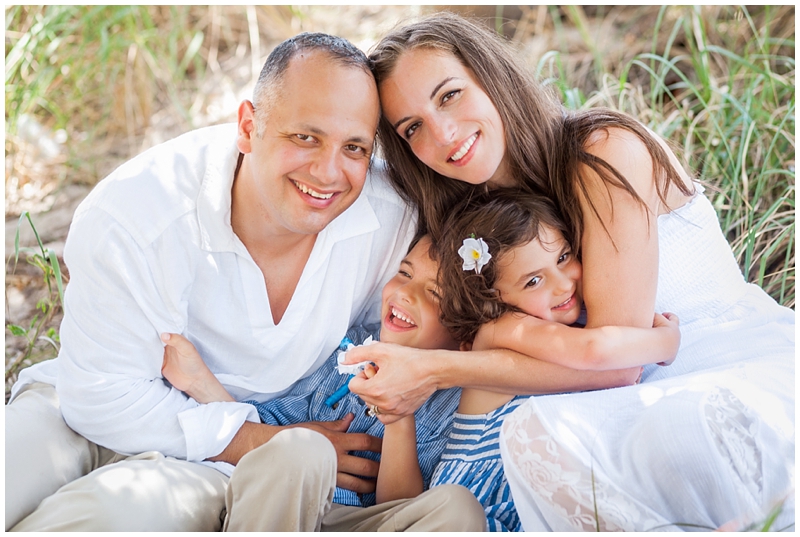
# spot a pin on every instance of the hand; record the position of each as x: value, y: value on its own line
x: 402, y: 383
x: 351, y: 469
x: 184, y: 368
x: 669, y: 321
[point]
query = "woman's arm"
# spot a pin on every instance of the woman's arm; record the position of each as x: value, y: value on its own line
x: 407, y: 376
x: 619, y: 246
x: 600, y: 348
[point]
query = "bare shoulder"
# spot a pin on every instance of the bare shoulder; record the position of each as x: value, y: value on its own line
x: 627, y: 153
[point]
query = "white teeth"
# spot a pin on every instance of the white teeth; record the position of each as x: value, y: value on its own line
x: 313, y: 193
x: 402, y: 317
x: 464, y: 148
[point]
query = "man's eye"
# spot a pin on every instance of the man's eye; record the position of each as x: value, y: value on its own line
x: 304, y: 137
x: 355, y: 149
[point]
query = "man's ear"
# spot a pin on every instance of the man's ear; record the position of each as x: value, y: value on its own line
x: 247, y: 126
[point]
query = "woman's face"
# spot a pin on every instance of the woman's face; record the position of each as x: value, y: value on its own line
x: 435, y: 104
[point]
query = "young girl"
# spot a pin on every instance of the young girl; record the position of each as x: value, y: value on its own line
x: 505, y: 253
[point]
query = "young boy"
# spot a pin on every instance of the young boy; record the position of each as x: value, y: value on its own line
x: 409, y: 317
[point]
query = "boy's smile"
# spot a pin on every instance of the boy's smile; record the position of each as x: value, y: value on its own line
x: 410, y: 311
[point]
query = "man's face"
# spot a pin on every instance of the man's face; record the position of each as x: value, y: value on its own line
x: 307, y: 160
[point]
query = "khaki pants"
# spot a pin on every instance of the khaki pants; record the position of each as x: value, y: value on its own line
x: 56, y: 480
x: 295, y: 494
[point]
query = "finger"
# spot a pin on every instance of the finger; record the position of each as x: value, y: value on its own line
x: 361, y: 354
x: 370, y: 371
x: 339, y: 426
x: 350, y: 464
x: 356, y: 484
x: 357, y: 442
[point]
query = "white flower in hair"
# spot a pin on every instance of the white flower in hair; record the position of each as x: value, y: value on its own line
x: 475, y: 253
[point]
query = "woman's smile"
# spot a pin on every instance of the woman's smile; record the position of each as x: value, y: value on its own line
x: 436, y: 105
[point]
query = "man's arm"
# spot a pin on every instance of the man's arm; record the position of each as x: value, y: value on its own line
x: 110, y: 383
x: 407, y: 377
x: 596, y: 349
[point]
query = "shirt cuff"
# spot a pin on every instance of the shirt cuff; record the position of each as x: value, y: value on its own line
x: 210, y: 428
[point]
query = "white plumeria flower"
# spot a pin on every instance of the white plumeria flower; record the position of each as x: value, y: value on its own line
x: 475, y: 253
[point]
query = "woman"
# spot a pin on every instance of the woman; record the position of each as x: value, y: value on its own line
x: 704, y: 441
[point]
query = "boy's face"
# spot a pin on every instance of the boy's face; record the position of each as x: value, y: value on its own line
x: 542, y: 278
x: 410, y: 311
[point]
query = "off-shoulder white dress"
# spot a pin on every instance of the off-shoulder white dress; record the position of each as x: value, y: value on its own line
x: 704, y: 441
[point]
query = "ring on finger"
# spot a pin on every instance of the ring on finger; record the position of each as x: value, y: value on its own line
x: 374, y: 410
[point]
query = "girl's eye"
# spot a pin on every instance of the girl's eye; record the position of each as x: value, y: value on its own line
x: 435, y: 294
x: 533, y: 281
x: 410, y: 130
x: 564, y: 257
x: 404, y: 273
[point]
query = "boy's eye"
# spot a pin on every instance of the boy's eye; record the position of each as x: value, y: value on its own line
x: 533, y: 281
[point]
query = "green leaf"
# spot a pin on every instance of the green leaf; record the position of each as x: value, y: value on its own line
x: 16, y: 330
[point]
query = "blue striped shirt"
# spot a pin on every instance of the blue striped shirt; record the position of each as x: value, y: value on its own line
x: 306, y: 402
x: 472, y: 459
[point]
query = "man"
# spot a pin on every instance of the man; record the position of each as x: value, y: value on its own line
x: 254, y: 241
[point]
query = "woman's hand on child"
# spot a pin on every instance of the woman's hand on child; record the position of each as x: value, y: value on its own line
x: 401, y: 385
x: 669, y: 322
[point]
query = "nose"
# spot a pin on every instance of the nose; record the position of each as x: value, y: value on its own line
x: 326, y: 166
x: 443, y: 130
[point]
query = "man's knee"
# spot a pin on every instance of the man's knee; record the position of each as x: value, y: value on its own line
x: 455, y: 508
x: 290, y: 451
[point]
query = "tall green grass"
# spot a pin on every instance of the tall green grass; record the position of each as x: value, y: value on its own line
x: 726, y: 99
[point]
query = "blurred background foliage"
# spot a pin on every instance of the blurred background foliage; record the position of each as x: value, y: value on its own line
x: 88, y: 87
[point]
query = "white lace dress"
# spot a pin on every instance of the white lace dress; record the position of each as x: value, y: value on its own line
x: 705, y: 441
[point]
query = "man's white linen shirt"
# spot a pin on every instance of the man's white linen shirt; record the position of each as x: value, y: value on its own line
x: 152, y: 250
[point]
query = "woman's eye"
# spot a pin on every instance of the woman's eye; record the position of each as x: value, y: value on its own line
x: 449, y: 95
x: 533, y: 281
x: 410, y: 130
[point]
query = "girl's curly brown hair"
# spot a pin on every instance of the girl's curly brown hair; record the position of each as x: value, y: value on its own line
x: 505, y: 219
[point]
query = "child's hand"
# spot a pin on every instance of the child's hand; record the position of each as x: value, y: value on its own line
x: 669, y: 321
x: 184, y: 368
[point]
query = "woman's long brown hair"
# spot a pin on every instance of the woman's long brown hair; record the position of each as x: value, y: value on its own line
x: 545, y: 144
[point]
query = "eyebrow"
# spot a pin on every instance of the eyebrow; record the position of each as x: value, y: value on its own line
x: 433, y: 94
x: 320, y: 132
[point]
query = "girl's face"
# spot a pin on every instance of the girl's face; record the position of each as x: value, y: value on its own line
x: 435, y: 104
x: 410, y: 311
x: 542, y: 278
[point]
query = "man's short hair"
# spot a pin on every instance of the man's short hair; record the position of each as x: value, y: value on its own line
x: 269, y: 81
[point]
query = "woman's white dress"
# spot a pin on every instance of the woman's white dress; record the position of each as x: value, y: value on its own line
x: 707, y: 440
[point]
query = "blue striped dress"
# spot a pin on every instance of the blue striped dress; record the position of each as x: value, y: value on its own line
x: 472, y: 459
